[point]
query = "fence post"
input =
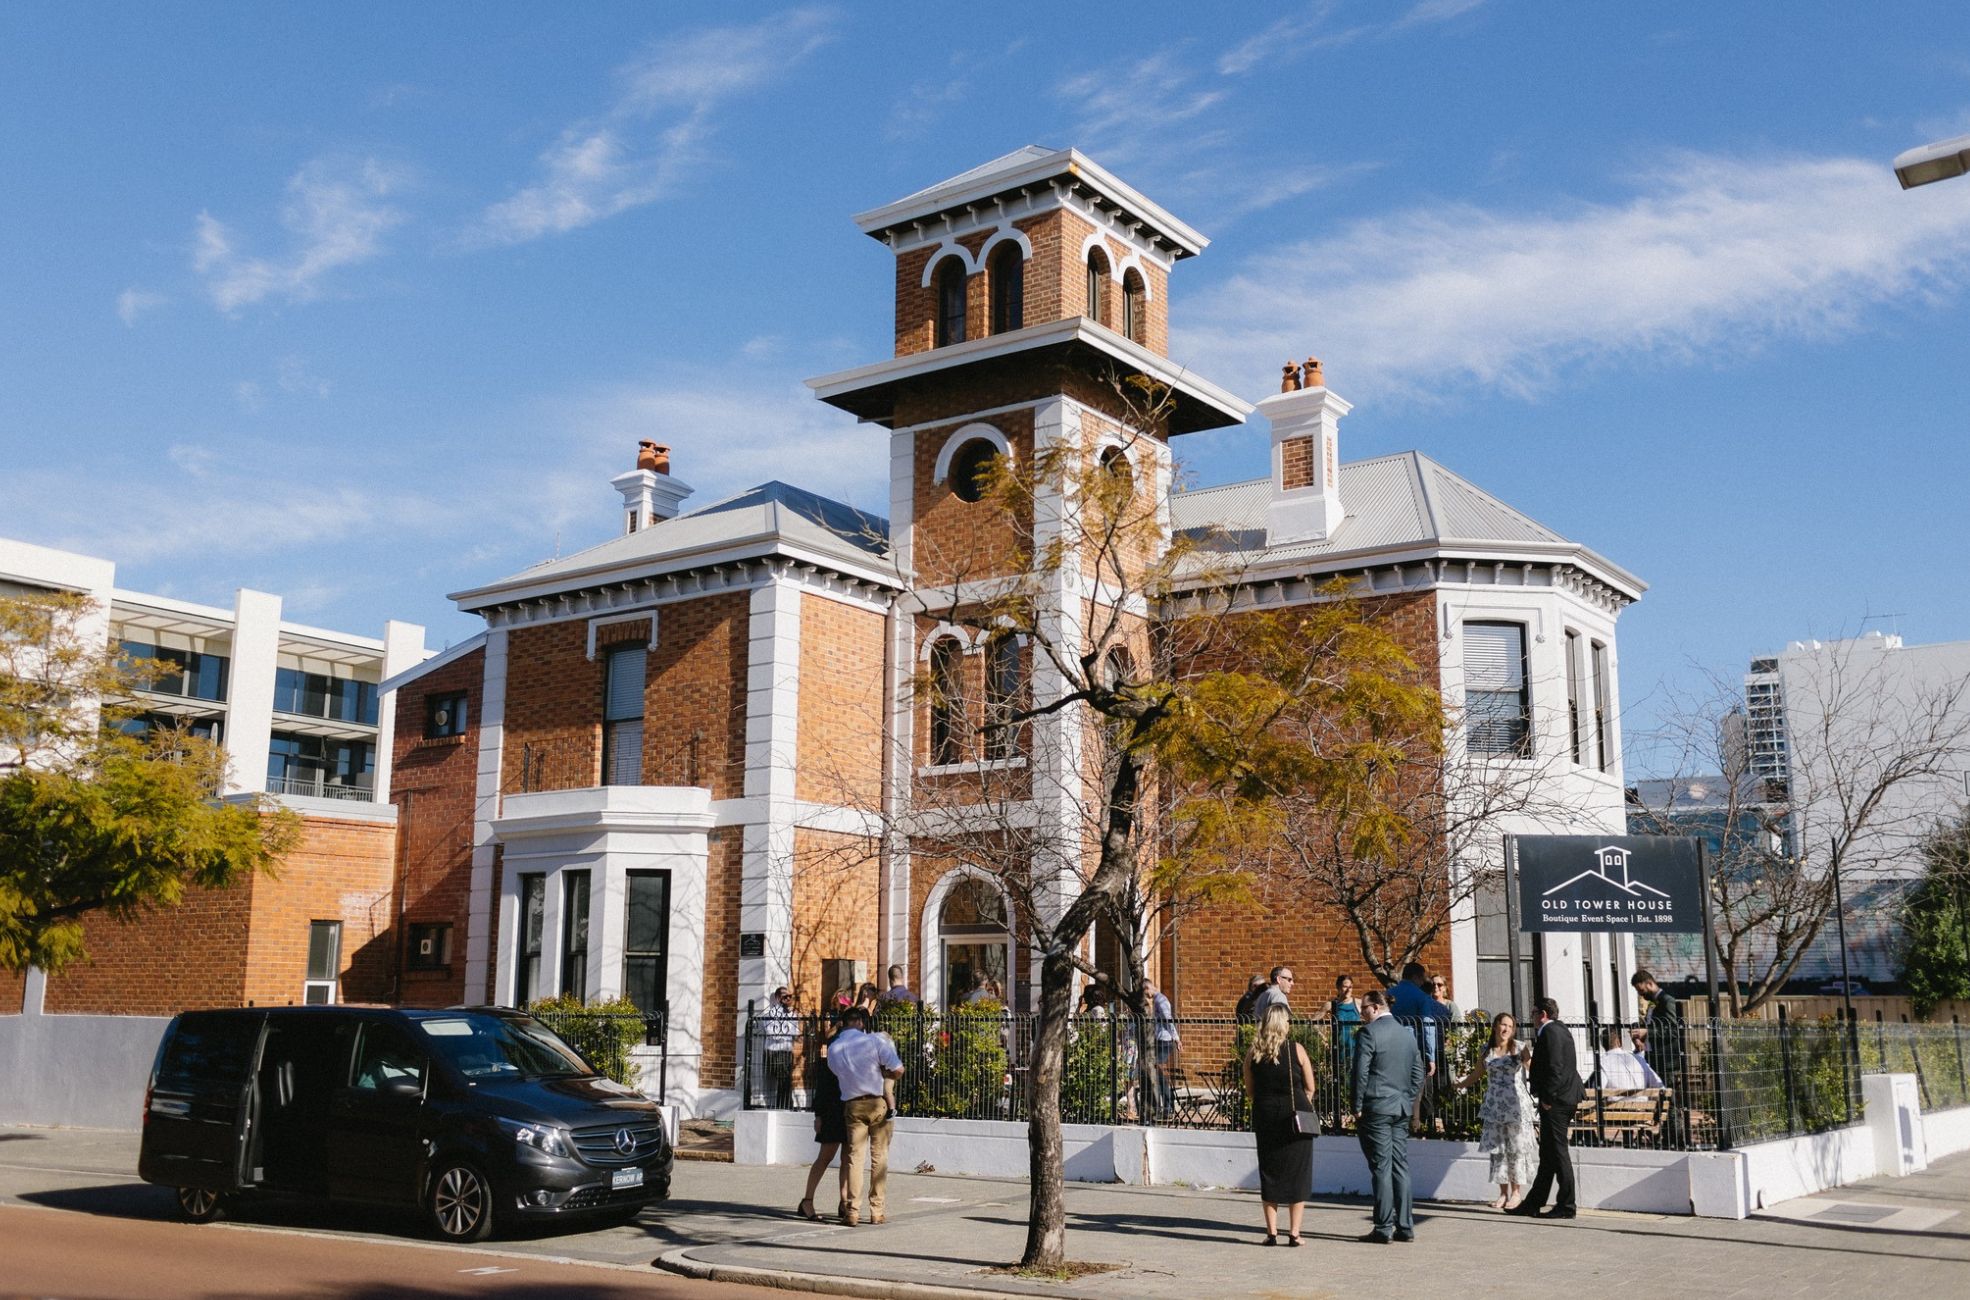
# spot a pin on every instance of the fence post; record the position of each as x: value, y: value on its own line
x: 1114, y: 1049
x: 1340, y: 1085
x: 1600, y: 1084
x: 1962, y: 1082
x: 745, y: 1066
x: 1785, y: 1068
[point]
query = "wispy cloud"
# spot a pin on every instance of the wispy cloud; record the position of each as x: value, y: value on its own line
x: 1327, y: 24
x: 1714, y: 254
x: 295, y: 377
x: 639, y: 149
x: 134, y: 302
x: 336, y: 215
x: 1135, y: 105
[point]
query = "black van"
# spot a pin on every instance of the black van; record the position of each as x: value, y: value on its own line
x: 478, y: 1116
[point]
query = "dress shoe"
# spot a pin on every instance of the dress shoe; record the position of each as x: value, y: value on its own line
x: 1525, y: 1210
x: 1375, y: 1237
x: 1556, y: 1213
x: 1402, y: 1234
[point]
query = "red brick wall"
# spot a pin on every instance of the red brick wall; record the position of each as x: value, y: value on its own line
x: 1296, y: 463
x: 340, y: 871
x: 835, y: 906
x: 13, y: 992
x: 723, y: 875
x: 841, y: 703
x: 1217, y: 949
x: 958, y: 540
x: 434, y: 786
x: 247, y: 944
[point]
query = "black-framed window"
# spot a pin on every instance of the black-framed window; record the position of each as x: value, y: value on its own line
x: 1097, y: 282
x: 970, y: 475
x: 1133, y: 322
x: 947, y: 721
x: 1603, y: 748
x: 316, y: 695
x: 445, y: 715
x: 574, y: 935
x: 324, y: 962
x: 1575, y: 743
x: 622, y: 716
x: 192, y: 674
x: 1007, y: 273
x: 1497, y: 693
x: 1003, y: 687
x: 428, y: 946
x: 950, y: 283
x: 533, y: 924
x: 323, y: 767
x: 645, y: 939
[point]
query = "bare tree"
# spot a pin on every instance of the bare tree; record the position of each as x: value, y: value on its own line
x: 1874, y: 759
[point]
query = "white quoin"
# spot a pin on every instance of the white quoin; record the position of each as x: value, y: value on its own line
x: 1306, y: 451
x: 648, y: 496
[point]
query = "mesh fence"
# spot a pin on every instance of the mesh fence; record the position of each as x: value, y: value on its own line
x: 1693, y: 1087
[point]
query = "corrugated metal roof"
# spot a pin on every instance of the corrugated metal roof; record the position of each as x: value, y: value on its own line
x: 1011, y: 162
x: 1391, y: 501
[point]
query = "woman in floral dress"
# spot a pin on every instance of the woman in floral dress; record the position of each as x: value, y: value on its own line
x: 1510, y: 1135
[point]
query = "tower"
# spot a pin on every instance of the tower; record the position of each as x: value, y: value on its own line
x: 1029, y: 292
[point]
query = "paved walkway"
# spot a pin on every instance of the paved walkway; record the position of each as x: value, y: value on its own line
x: 1906, y: 1239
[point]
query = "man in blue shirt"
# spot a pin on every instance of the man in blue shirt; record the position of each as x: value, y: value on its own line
x: 1411, y: 1003
x: 861, y: 1061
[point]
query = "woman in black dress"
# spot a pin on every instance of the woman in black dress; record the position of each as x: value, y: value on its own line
x: 830, y: 1128
x: 1279, y: 1080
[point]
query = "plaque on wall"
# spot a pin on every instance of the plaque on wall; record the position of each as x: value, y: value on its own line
x: 752, y: 945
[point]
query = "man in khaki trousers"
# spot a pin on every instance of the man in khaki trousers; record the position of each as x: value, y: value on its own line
x: 862, y: 1061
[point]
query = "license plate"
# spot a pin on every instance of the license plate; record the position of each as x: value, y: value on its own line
x: 622, y: 1178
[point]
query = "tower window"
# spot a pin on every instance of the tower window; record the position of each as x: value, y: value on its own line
x: 622, y: 716
x: 1497, y: 697
x: 1002, y: 691
x: 1097, y: 282
x: 950, y: 282
x: 947, y: 712
x: 1007, y: 271
x: 1133, y: 322
x: 971, y: 469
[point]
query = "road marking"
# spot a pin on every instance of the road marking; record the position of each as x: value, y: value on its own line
x: 937, y: 1200
x: 487, y: 1271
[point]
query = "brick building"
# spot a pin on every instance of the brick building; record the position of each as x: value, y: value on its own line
x: 666, y: 768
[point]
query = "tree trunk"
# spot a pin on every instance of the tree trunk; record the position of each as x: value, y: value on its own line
x: 1046, y: 1222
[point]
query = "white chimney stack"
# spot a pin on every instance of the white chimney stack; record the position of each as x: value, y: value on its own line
x: 649, y: 493
x: 1306, y: 457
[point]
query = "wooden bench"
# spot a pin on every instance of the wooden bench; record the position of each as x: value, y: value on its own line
x: 1629, y: 1117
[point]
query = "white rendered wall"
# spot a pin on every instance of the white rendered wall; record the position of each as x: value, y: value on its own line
x: 403, y: 647
x: 250, y: 689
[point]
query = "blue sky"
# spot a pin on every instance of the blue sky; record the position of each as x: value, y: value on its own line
x: 364, y: 303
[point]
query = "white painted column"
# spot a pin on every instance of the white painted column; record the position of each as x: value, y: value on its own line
x: 479, y: 949
x: 250, y: 689
x: 403, y: 647
x: 772, y: 731
x: 899, y: 686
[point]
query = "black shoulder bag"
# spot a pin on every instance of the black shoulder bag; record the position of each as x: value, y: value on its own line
x: 1306, y: 1123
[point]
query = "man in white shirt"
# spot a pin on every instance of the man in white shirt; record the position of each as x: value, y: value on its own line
x: 861, y: 1061
x: 1163, y: 1022
x: 1621, y: 1068
x: 1279, y: 988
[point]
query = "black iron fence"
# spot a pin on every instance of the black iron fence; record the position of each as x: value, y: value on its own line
x: 1703, y: 1087
x: 606, y: 1038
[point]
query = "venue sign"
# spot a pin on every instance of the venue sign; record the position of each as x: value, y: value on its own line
x: 1651, y: 884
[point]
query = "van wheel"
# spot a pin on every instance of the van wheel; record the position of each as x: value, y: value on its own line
x: 200, y: 1206
x: 460, y: 1203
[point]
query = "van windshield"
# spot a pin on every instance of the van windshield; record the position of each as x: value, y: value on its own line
x: 487, y: 1047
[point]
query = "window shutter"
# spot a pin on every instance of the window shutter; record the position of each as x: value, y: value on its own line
x: 625, y: 688
x: 1494, y: 656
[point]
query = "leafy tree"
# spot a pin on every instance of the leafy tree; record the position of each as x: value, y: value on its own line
x: 1936, y: 958
x: 93, y: 819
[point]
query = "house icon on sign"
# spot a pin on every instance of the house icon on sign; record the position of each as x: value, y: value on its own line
x: 1611, y: 868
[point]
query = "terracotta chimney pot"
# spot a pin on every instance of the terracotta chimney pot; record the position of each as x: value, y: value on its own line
x: 653, y: 456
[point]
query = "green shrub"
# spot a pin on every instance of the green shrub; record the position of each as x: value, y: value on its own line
x: 603, y: 1032
x: 954, y: 1062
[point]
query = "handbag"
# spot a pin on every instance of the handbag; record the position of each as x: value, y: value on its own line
x: 1306, y: 1123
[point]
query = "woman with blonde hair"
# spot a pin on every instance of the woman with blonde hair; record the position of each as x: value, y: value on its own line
x: 1279, y: 1082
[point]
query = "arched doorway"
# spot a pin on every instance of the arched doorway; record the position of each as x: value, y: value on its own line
x: 973, y: 941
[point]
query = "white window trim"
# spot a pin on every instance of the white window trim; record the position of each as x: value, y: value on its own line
x: 950, y: 249
x: 930, y: 961
x: 962, y: 435
x: 1006, y: 236
x: 983, y: 765
x: 942, y: 632
x: 610, y: 620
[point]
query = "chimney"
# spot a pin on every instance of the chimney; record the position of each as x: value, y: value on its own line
x: 1306, y: 456
x: 649, y: 493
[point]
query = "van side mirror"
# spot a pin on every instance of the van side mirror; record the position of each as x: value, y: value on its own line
x: 407, y: 1086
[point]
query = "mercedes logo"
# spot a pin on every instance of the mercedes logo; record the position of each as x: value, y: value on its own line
x: 625, y: 1142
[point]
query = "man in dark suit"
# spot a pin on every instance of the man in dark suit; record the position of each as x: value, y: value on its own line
x: 1388, y: 1076
x: 1556, y: 1086
x: 1665, y: 1046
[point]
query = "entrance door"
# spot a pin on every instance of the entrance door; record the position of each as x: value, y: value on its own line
x: 373, y: 1146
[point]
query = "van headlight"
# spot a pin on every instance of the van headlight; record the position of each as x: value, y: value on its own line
x: 544, y: 1138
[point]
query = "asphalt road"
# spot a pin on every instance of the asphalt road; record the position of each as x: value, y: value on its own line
x: 74, y: 1221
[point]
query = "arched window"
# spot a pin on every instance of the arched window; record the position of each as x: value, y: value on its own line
x: 1097, y: 282
x: 1115, y: 464
x: 947, y: 718
x: 950, y: 280
x: 976, y: 938
x: 1003, y: 687
x: 971, y: 469
x: 1133, y: 322
x: 1007, y: 272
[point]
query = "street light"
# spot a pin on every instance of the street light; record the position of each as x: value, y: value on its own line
x: 1933, y: 162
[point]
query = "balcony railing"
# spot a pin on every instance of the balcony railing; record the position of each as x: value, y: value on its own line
x: 319, y: 787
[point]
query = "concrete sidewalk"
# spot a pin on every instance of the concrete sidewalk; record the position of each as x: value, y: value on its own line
x: 1907, y: 1238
